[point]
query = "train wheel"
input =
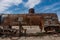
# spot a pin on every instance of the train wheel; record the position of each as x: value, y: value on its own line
x: 57, y: 29
x: 45, y: 29
x: 50, y: 29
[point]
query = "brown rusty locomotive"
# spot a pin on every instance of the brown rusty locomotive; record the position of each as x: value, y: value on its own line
x: 48, y: 21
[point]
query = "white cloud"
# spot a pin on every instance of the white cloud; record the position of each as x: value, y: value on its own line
x: 58, y: 13
x: 55, y: 9
x: 4, y: 4
x: 59, y: 17
x: 47, y: 8
x: 31, y: 3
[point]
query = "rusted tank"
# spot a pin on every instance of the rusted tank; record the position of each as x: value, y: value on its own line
x: 48, y: 21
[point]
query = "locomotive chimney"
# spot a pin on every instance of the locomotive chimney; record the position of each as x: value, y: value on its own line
x: 31, y: 11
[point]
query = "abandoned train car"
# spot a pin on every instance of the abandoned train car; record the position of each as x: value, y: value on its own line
x: 48, y: 21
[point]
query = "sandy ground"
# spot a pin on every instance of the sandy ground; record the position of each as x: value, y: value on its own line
x: 33, y: 29
x: 51, y: 37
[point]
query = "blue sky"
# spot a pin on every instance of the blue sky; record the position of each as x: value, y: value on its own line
x: 22, y: 6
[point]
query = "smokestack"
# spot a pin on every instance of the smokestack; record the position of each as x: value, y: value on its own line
x: 31, y: 11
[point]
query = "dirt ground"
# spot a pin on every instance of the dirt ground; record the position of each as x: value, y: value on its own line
x: 33, y: 30
x: 51, y: 37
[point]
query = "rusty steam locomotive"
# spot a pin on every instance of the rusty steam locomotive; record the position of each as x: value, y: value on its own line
x: 48, y: 21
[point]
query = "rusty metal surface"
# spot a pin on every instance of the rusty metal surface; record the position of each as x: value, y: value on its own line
x: 28, y: 19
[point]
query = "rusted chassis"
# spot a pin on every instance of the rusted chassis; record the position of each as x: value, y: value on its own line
x: 52, y: 28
